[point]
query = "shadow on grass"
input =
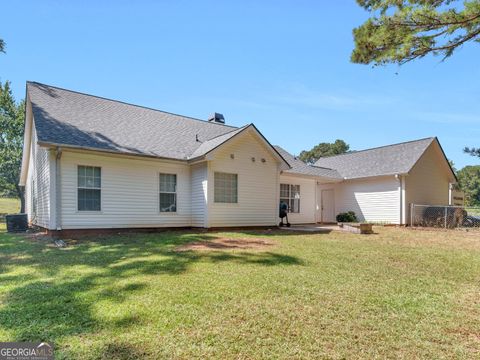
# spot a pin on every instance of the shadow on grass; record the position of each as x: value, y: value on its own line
x: 49, y: 299
x: 291, y: 232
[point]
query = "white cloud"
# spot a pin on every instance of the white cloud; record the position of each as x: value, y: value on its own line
x: 301, y: 95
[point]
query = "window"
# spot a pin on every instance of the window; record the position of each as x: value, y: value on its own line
x: 290, y: 195
x: 89, y: 188
x: 226, y: 188
x: 168, y: 193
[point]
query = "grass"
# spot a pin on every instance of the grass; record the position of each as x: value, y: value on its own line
x: 9, y: 206
x: 473, y: 211
x: 397, y: 294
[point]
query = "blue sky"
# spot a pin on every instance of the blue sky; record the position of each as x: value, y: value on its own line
x: 283, y: 65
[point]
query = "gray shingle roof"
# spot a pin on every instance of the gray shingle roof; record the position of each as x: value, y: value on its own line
x: 211, y: 144
x: 385, y: 160
x: 69, y: 118
x: 299, y: 167
x: 74, y: 119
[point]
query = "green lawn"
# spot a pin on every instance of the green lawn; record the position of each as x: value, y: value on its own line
x: 9, y: 206
x: 397, y: 294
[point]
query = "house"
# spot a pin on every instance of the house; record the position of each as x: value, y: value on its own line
x: 381, y: 184
x: 95, y: 163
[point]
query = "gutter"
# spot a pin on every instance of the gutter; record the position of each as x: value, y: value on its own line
x: 313, y: 177
x: 107, y: 151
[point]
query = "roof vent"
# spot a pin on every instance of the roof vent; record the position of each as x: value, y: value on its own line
x: 216, y: 118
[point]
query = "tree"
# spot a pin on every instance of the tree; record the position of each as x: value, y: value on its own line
x: 469, y: 182
x: 400, y: 31
x: 12, y: 119
x: 324, y: 149
x: 472, y: 151
x: 452, y: 165
x: 2, y: 46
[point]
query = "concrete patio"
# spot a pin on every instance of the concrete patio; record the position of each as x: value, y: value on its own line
x: 326, y: 228
x: 314, y: 228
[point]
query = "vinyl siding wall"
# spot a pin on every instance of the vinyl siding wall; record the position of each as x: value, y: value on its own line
x: 28, y: 191
x: 372, y: 200
x: 28, y: 187
x: 129, y: 195
x: 257, y: 185
x: 199, y: 194
x: 39, y: 182
x: 307, y: 199
x: 428, y: 182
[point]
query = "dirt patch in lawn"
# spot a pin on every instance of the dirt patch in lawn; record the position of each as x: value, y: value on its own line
x: 227, y: 244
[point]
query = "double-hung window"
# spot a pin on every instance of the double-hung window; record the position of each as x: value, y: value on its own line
x: 89, y: 188
x: 226, y: 188
x: 168, y: 193
x: 290, y: 195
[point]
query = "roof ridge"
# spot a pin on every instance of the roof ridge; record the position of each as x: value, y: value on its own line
x: 377, y: 147
x: 131, y: 104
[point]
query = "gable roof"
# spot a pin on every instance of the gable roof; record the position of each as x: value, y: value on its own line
x: 213, y: 143
x: 69, y: 118
x: 299, y: 167
x: 385, y: 160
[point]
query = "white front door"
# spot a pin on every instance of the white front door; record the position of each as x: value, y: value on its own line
x: 328, y: 206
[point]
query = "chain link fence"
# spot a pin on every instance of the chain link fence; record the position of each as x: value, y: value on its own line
x: 447, y: 217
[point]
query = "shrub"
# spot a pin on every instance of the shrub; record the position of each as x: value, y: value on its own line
x: 347, y: 217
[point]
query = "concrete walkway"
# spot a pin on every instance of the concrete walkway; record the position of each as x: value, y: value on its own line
x: 318, y: 228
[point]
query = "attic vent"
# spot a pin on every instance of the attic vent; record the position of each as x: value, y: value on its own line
x: 216, y: 118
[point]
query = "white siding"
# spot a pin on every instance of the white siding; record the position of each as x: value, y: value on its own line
x: 307, y: 199
x: 130, y: 193
x: 428, y: 182
x: 199, y: 194
x: 372, y: 200
x: 257, y: 184
x: 38, y: 182
x: 28, y: 188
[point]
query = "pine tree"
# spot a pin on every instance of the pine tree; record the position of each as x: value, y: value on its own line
x: 400, y: 31
x: 12, y: 119
x: 403, y: 30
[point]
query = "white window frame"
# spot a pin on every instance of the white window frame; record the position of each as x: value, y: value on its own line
x: 167, y: 192
x: 89, y: 188
x: 292, y: 198
x: 215, y: 189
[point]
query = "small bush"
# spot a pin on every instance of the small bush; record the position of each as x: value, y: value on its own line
x: 347, y: 217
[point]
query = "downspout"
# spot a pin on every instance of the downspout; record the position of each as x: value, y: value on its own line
x: 401, y: 190
x: 58, y: 186
x: 400, y: 195
x: 450, y: 194
x: 206, y: 217
x: 277, y: 194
